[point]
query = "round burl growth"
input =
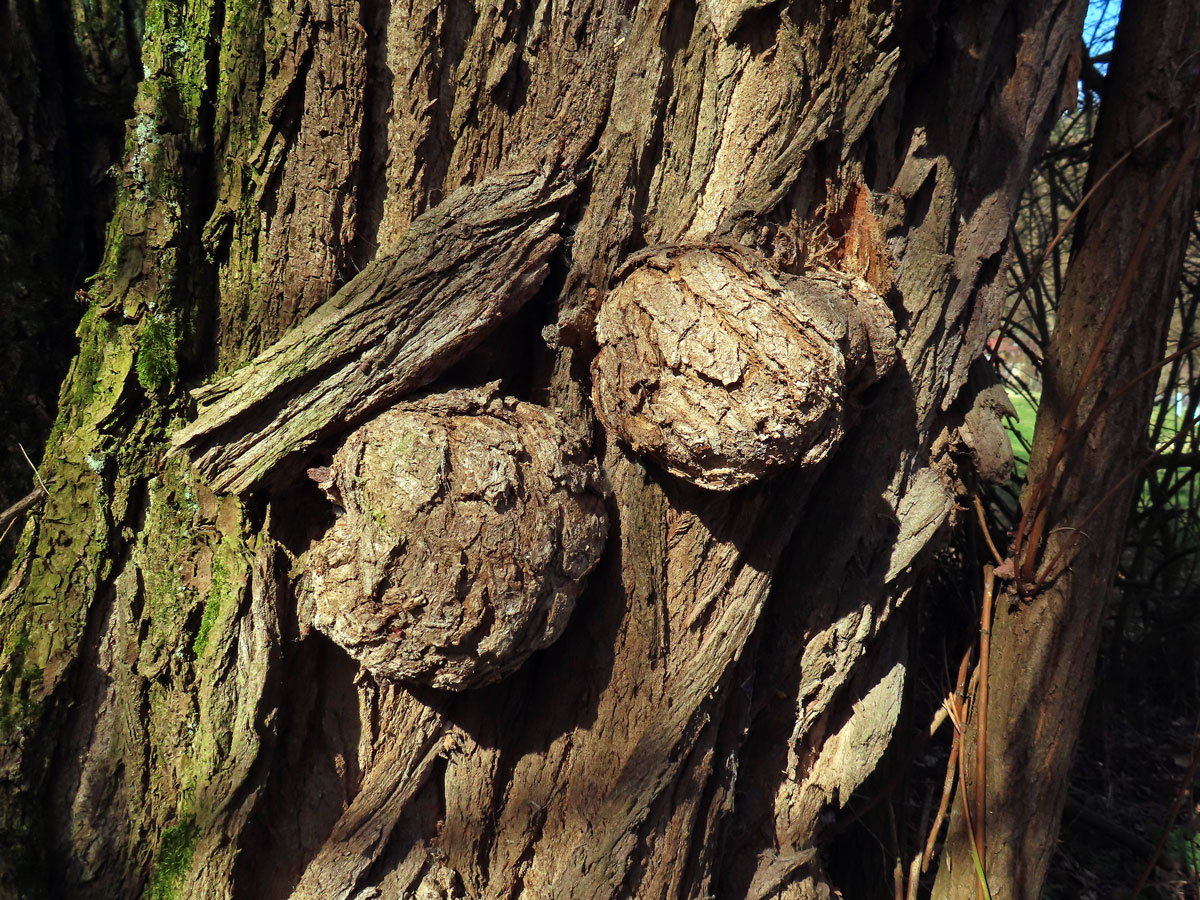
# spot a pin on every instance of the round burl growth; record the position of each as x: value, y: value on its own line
x: 470, y: 522
x: 724, y: 370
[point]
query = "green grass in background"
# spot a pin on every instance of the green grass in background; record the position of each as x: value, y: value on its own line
x: 1020, y: 432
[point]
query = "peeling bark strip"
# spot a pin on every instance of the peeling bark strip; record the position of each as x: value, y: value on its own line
x: 392, y: 329
x: 470, y: 523
x: 456, y: 272
x: 724, y: 370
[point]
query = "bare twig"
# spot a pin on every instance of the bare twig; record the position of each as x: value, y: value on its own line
x: 1052, y: 568
x: 10, y: 515
x: 898, y: 867
x: 987, y: 535
x: 914, y: 877
x: 952, y: 705
x: 1158, y: 454
x: 1103, y: 407
x: 35, y: 471
x: 1040, y: 491
x: 1062, y: 232
x: 914, y: 866
x: 981, y: 709
x: 982, y: 891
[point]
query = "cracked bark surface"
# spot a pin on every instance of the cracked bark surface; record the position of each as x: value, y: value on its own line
x: 723, y: 370
x: 735, y: 667
x: 467, y: 523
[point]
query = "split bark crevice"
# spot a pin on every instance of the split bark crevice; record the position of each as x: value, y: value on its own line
x: 393, y: 329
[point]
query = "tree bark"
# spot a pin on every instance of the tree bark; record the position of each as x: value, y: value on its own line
x: 1097, y: 396
x: 63, y: 93
x: 66, y: 81
x: 326, y: 206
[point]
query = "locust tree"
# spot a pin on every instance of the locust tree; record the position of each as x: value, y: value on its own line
x: 508, y: 441
x: 1099, y: 377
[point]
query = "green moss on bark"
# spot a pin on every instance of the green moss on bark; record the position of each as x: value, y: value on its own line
x: 116, y: 511
x: 94, y: 333
x: 212, y: 608
x: 168, y: 538
x: 174, y: 860
x: 157, y: 360
x: 220, y: 594
x: 17, y: 709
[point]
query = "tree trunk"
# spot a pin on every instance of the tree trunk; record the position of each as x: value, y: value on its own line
x: 326, y: 208
x: 66, y: 79
x: 1111, y: 329
x: 62, y: 97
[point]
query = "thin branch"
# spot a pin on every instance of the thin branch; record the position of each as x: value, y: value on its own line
x: 1062, y: 232
x: 11, y: 514
x: 951, y: 705
x: 981, y: 710
x: 1100, y: 504
x: 987, y: 535
x: 35, y: 471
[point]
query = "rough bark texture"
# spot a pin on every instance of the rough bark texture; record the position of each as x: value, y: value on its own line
x: 735, y: 667
x: 391, y: 330
x: 466, y: 525
x: 722, y: 371
x: 1118, y: 296
x: 63, y: 95
x: 66, y: 82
